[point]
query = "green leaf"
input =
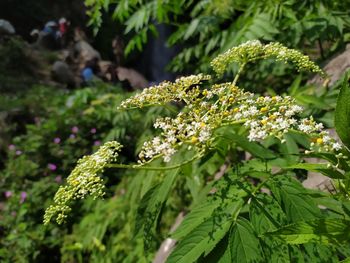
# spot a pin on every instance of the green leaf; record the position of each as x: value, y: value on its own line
x: 191, y: 28
x: 244, y: 244
x: 254, y: 148
x: 294, y: 87
x: 316, y: 102
x: 342, y: 114
x: 318, y: 167
x: 220, y: 254
x: 265, y: 214
x: 319, y: 230
x: 195, y: 218
x: 201, y: 240
x: 228, y: 198
x: 294, y: 199
x: 151, y: 205
x: 142, y: 208
x: 290, y: 149
x: 316, y: 252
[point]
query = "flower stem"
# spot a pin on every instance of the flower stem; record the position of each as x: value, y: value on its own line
x: 157, y: 168
x: 234, y: 82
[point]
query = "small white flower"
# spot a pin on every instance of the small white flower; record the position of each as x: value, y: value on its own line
x: 336, y: 146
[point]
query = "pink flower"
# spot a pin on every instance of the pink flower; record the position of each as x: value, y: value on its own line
x: 75, y: 129
x: 57, y: 140
x: 14, y: 213
x: 97, y: 143
x: 52, y: 166
x: 23, y: 197
x: 8, y: 194
x: 12, y: 147
x: 18, y: 152
x: 58, y: 179
x: 72, y: 136
x: 93, y: 130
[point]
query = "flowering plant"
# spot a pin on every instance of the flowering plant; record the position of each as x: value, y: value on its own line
x: 260, y: 198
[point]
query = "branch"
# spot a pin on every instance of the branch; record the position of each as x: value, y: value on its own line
x: 141, y: 167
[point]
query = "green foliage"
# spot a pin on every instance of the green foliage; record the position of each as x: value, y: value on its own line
x: 16, y: 66
x: 242, y: 199
x: 242, y: 194
x: 62, y: 126
x: 208, y: 28
x: 342, y: 113
x: 320, y: 230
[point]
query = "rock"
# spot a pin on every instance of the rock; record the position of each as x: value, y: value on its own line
x: 63, y: 74
x: 85, y: 52
x: 6, y: 28
x: 44, y: 40
x: 104, y: 66
x: 136, y: 80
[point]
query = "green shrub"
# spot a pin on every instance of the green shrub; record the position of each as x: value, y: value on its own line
x: 240, y: 208
x: 62, y: 126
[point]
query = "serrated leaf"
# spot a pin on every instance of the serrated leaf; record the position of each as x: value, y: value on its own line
x: 318, y: 230
x: 265, y: 214
x: 316, y: 252
x: 158, y: 196
x: 150, y: 207
x: 342, y: 114
x: 195, y: 218
x: 220, y: 254
x: 142, y: 208
x: 244, y: 244
x: 294, y: 199
x: 318, y: 167
x: 228, y: 199
x: 201, y: 240
x: 276, y: 249
x: 254, y: 148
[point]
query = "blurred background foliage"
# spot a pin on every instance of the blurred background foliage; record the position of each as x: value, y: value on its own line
x: 207, y: 28
x: 45, y: 129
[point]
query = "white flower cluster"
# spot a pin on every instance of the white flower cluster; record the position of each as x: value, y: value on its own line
x: 225, y: 104
x: 175, y: 132
x: 323, y: 141
x: 82, y: 181
x: 270, y: 116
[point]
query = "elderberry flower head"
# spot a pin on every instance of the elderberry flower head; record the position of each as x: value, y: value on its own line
x: 225, y: 104
x: 254, y: 50
x: 84, y: 180
x: 165, y: 92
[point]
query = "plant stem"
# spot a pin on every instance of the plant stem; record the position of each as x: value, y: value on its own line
x: 141, y: 167
x: 234, y: 82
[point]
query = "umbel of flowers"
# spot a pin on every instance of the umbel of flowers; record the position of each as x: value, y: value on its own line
x: 207, y: 107
x: 84, y: 180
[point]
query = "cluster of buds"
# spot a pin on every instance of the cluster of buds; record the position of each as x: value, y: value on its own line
x: 254, y: 50
x: 180, y: 90
x: 84, y: 180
